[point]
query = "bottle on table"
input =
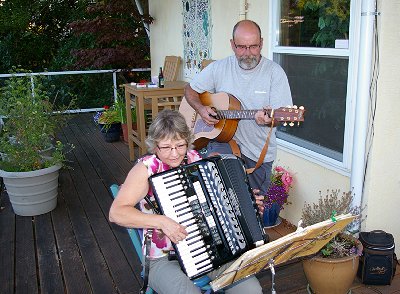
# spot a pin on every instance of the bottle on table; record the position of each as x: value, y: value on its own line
x: 161, y: 79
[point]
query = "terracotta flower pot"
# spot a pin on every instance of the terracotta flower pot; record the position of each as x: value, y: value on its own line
x: 331, y: 275
x: 125, y: 131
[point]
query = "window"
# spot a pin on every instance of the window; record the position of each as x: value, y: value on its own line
x: 312, y: 46
x: 314, y: 23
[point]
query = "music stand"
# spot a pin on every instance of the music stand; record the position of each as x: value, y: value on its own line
x: 302, y: 242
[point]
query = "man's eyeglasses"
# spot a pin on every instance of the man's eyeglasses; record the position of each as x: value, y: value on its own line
x: 243, y: 48
x: 167, y: 149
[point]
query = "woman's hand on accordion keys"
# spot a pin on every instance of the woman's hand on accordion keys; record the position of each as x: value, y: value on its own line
x: 259, y: 200
x: 173, y: 230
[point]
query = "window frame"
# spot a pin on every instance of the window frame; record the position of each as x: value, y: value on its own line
x: 352, y: 53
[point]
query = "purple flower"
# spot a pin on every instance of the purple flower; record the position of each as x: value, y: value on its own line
x: 275, y: 194
x: 97, y: 116
x: 278, y: 191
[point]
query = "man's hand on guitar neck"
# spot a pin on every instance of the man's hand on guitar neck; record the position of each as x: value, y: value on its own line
x: 262, y: 117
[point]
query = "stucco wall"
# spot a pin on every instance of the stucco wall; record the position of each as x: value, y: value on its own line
x: 382, y: 183
x: 309, y: 180
x: 165, y: 32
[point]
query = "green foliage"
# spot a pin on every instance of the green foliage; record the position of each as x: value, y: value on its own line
x: 30, y: 126
x: 109, y: 116
x: 328, y: 207
x: 37, y: 35
x: 333, y: 21
x: 31, y: 32
x: 90, y: 90
x: 120, y: 107
x: 340, y: 246
x: 114, y: 114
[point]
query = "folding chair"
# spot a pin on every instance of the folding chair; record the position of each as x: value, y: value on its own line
x: 135, y: 235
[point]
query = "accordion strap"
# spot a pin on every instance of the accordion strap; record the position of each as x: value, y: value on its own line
x: 146, y: 261
x: 147, y: 246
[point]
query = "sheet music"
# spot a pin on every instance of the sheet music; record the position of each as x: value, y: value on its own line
x: 303, y: 242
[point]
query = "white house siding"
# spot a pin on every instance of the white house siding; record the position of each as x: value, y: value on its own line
x: 382, y: 183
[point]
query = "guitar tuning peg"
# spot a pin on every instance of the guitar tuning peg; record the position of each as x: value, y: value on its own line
x: 301, y: 107
x: 289, y: 106
x: 291, y: 124
x: 295, y: 106
x: 285, y: 124
x: 298, y: 123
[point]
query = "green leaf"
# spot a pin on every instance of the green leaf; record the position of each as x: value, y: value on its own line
x: 321, y: 23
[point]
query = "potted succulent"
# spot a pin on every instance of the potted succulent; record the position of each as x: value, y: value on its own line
x: 333, y: 269
x: 29, y: 125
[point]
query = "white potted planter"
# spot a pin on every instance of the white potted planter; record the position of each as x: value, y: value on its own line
x: 33, y: 192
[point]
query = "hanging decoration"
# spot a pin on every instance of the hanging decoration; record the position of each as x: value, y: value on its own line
x: 196, y: 35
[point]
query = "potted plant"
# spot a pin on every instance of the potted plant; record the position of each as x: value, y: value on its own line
x: 30, y: 175
x: 277, y: 195
x: 109, y: 121
x: 120, y: 107
x: 333, y: 269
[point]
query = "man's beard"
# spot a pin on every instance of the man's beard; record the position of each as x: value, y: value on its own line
x: 248, y: 62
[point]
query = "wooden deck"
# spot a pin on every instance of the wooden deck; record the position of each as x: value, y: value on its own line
x: 74, y: 249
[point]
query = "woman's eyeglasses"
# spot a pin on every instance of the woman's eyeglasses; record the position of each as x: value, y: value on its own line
x: 167, y: 149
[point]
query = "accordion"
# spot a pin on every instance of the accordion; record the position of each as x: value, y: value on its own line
x: 213, y: 199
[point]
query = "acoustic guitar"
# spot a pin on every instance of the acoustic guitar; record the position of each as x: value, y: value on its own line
x: 229, y: 112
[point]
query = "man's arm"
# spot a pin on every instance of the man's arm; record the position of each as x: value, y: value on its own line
x: 206, y: 112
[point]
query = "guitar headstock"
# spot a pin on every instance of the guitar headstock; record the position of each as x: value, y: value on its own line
x: 290, y: 114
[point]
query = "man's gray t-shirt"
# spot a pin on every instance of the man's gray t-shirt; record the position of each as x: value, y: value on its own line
x: 265, y: 85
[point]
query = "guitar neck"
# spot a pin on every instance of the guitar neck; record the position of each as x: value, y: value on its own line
x: 237, y: 114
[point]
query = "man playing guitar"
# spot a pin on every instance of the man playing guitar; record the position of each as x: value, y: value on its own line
x: 256, y: 82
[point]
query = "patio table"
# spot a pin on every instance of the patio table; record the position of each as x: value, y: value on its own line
x: 152, y: 100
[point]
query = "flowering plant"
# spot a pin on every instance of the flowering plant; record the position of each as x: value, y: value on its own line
x: 108, y: 116
x: 114, y: 114
x: 328, y: 207
x: 278, y: 191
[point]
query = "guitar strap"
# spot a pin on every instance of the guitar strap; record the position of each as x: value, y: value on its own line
x: 263, y: 151
x: 235, y: 148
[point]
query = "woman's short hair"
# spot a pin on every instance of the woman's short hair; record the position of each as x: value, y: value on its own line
x: 169, y: 124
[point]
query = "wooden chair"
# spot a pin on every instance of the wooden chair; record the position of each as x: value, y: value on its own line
x: 135, y: 235
x: 170, y: 71
x: 171, y: 68
x: 206, y: 62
